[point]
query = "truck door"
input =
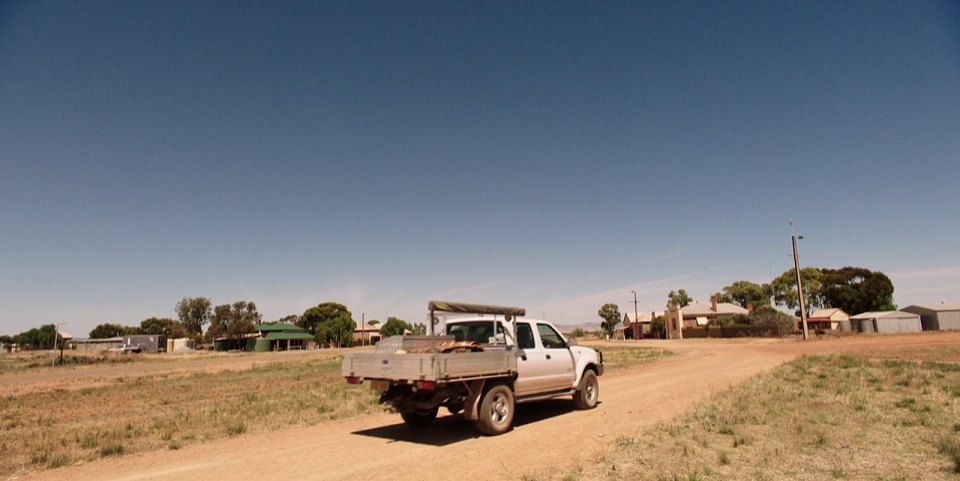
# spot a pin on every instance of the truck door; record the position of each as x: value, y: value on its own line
x: 558, y: 359
x: 532, y: 363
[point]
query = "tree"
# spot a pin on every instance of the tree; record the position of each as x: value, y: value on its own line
x: 578, y: 333
x: 746, y: 293
x: 723, y: 297
x: 337, y: 331
x: 659, y: 326
x: 163, y: 327
x: 325, y: 312
x: 194, y: 313
x: 290, y: 319
x: 785, y: 288
x: 42, y: 338
x: 610, y: 314
x: 733, y: 320
x: 104, y: 331
x: 679, y: 298
x: 777, y: 321
x: 233, y: 321
x: 856, y: 290
x: 395, y: 327
x: 419, y: 329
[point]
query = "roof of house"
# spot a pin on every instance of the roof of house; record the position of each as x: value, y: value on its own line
x: 641, y: 317
x: 278, y: 327
x: 826, y: 313
x: 99, y: 341
x: 699, y: 309
x: 368, y: 327
x: 933, y: 307
x: 282, y: 336
x: 884, y: 315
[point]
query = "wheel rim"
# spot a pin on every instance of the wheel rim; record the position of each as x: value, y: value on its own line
x: 591, y: 389
x: 499, y: 410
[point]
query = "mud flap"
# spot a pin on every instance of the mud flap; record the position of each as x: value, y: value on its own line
x: 474, y: 390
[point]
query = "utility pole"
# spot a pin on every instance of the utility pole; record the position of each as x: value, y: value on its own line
x: 363, y: 328
x: 796, y: 266
x: 56, y: 334
x: 635, y: 315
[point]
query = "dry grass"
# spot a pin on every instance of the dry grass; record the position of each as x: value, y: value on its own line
x: 949, y: 354
x: 818, y: 418
x: 621, y: 357
x: 57, y: 428
x: 43, y: 360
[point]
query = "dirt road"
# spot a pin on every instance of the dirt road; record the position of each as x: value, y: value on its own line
x: 548, y: 435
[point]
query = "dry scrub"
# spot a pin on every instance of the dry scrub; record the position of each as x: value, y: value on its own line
x: 43, y: 360
x: 818, y: 418
x: 57, y: 428
x: 625, y: 357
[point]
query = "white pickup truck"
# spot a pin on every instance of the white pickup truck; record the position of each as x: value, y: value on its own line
x: 482, y: 365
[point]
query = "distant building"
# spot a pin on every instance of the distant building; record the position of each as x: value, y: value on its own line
x: 152, y: 343
x: 937, y: 317
x: 697, y: 315
x: 829, y: 319
x: 886, y: 322
x: 366, y: 334
x: 700, y: 314
x: 637, y: 328
x: 99, y: 344
x: 280, y: 336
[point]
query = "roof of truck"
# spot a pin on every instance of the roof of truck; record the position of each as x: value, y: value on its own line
x: 463, y: 308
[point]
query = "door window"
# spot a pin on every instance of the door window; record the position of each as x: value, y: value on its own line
x: 550, y: 337
x: 525, y: 336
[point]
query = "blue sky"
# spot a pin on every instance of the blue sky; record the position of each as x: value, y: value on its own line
x: 552, y: 155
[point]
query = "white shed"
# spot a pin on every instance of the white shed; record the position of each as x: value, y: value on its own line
x: 886, y: 322
x: 937, y: 317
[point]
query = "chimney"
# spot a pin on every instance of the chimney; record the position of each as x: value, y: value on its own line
x: 713, y: 303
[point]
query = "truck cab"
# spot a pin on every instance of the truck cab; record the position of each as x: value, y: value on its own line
x: 546, y: 361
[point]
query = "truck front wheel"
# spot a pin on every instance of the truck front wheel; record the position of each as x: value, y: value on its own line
x: 587, y: 392
x: 496, y: 411
x: 416, y: 419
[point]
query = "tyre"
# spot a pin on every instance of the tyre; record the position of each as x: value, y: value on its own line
x: 587, y: 392
x: 416, y: 419
x: 496, y: 411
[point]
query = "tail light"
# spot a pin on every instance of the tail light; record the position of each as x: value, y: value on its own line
x: 426, y: 385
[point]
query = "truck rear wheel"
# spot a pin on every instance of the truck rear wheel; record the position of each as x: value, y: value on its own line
x: 587, y: 392
x: 416, y: 419
x: 496, y: 411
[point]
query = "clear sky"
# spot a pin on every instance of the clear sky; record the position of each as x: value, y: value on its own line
x: 551, y: 155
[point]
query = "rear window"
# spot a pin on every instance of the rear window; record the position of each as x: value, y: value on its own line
x: 479, y: 332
